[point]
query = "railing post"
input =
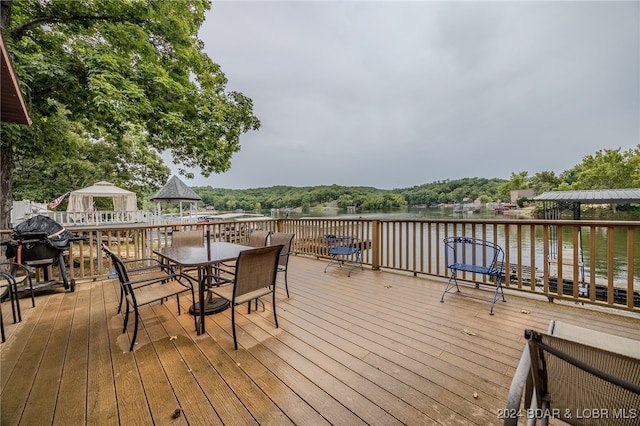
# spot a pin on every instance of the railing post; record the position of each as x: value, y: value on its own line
x: 375, y: 245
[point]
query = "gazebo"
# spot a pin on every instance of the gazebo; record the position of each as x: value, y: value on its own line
x: 173, y: 191
x: 81, y: 200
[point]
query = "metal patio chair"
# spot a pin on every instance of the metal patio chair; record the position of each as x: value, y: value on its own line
x: 254, y: 277
x: 152, y: 289
x: 12, y: 277
x: 284, y: 239
x: 577, y: 375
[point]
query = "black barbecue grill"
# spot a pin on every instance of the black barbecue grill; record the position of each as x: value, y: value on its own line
x: 40, y: 242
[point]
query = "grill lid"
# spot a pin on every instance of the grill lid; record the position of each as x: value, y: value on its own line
x: 42, y: 228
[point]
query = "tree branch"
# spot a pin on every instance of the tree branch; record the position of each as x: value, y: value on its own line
x: 18, y: 32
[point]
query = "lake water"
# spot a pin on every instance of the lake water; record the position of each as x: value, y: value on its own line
x: 619, y: 266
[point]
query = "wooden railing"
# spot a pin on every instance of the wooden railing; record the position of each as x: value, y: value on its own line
x: 595, y: 262
x: 100, y: 217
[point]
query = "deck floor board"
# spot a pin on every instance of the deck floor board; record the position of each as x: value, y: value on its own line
x: 377, y: 347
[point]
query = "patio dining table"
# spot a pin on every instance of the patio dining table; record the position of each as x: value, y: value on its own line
x: 203, y: 258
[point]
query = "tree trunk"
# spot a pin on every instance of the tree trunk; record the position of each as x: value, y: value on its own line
x: 6, y: 149
x: 6, y: 177
x: 5, y: 13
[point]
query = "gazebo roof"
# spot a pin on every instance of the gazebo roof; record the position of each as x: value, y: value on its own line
x: 176, y: 190
x: 593, y: 196
x: 102, y: 189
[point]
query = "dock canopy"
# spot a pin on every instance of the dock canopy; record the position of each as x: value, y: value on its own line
x: 572, y: 200
x: 593, y: 196
x: 82, y: 199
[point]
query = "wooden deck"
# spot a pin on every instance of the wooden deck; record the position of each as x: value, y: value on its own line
x: 375, y: 348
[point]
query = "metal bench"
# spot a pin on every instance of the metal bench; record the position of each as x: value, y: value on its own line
x: 576, y: 375
x: 343, y: 250
x: 474, y: 256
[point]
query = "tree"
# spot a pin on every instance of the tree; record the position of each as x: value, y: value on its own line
x: 544, y: 182
x: 609, y: 169
x: 122, y: 80
x: 517, y: 181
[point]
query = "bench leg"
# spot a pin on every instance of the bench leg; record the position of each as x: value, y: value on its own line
x: 450, y: 287
x: 498, y: 292
x: 355, y: 262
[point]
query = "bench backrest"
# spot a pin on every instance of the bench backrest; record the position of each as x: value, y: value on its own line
x: 341, y: 245
x: 474, y: 252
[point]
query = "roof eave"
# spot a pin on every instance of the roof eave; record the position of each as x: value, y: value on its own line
x: 13, y: 108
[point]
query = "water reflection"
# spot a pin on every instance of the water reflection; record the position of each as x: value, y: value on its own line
x: 591, y: 250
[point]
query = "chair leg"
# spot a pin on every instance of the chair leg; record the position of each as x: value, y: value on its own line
x: 121, y: 298
x: 450, y: 286
x: 126, y: 319
x: 233, y: 326
x: 135, y: 330
x: 33, y: 299
x: 275, y: 318
x: 286, y: 284
x: 193, y: 301
x: 13, y: 296
x: 2, y: 327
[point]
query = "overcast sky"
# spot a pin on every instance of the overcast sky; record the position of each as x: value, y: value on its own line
x: 394, y: 94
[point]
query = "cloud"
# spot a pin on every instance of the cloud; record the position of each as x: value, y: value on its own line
x: 396, y: 94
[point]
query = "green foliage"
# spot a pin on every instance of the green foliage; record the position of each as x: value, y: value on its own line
x: 517, y: 181
x: 606, y: 169
x: 291, y: 197
x: 544, y: 182
x: 364, y: 198
x: 112, y: 84
x: 452, y: 191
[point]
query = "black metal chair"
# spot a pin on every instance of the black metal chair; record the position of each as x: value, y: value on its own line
x: 571, y: 374
x: 284, y: 239
x: 21, y: 274
x: 141, y: 272
x: 258, y: 238
x: 254, y: 277
x: 138, y: 293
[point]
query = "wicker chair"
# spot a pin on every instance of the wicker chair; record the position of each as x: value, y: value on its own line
x: 284, y: 239
x: 254, y: 277
x: 187, y: 238
x: 576, y: 375
x: 190, y: 238
x: 258, y: 238
x: 148, y: 290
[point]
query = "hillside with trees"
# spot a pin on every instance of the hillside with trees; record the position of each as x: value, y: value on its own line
x: 606, y: 169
